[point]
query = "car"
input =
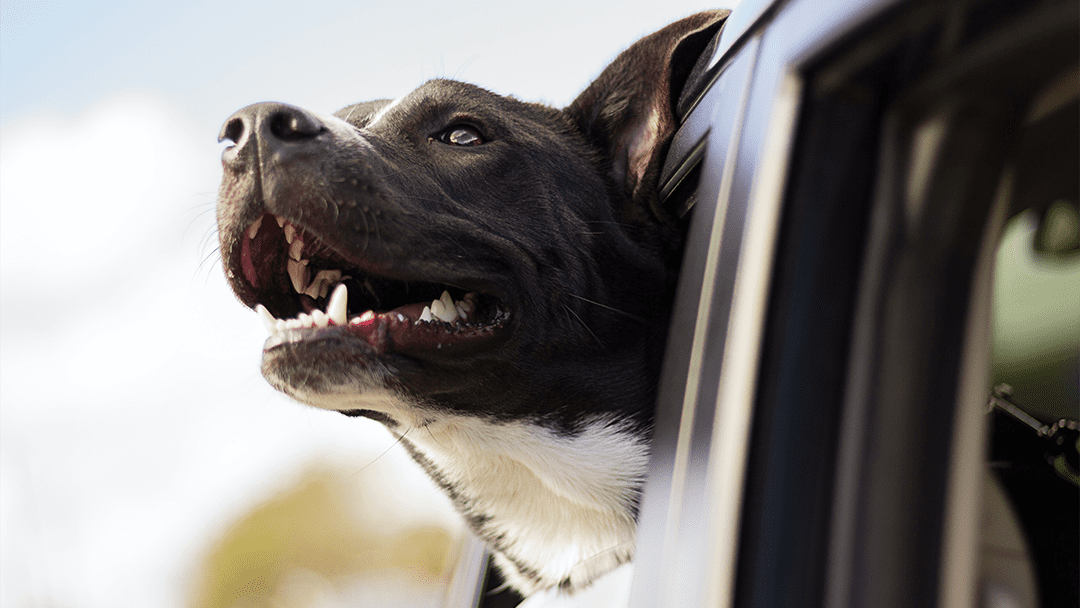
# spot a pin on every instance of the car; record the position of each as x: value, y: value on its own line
x: 870, y: 390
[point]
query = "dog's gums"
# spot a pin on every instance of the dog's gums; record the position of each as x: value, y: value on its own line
x: 320, y: 280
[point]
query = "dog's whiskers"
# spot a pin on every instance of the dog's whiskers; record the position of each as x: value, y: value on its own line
x: 600, y: 554
x: 214, y: 255
x: 384, y: 453
x: 621, y: 312
x: 432, y: 435
x: 583, y: 324
x: 611, y: 222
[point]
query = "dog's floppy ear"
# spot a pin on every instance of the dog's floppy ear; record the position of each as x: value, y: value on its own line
x: 628, y: 111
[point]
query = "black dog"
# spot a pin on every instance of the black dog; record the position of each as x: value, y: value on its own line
x: 490, y: 279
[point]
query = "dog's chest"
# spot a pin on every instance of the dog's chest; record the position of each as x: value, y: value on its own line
x: 557, y: 509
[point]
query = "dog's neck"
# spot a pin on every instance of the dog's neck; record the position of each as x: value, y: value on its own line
x: 557, y: 509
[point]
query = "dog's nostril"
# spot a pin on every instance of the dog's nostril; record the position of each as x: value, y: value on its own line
x: 270, y: 125
x: 232, y: 131
x: 292, y: 124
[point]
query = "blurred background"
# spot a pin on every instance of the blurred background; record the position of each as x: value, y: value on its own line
x: 143, y: 460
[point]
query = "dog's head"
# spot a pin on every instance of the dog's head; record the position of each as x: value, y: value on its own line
x: 458, y: 253
x: 541, y: 225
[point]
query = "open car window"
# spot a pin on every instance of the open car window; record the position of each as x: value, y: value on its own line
x: 870, y: 389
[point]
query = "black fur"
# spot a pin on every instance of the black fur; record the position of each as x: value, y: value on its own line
x: 555, y: 217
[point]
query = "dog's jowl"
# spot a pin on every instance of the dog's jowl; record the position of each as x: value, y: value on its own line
x: 488, y: 278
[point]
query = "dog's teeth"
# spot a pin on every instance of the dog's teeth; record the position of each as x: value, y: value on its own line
x: 367, y: 316
x: 336, y: 310
x: 280, y: 325
x: 447, y: 300
x: 443, y: 312
x: 292, y: 324
x: 268, y: 319
x: 280, y: 221
x: 467, y: 305
x: 305, y: 320
x: 332, y: 276
x: 254, y: 229
x: 320, y: 285
x: 461, y: 313
x: 299, y: 275
x: 296, y: 249
x: 321, y: 319
x: 426, y: 315
x: 437, y: 309
x: 290, y: 233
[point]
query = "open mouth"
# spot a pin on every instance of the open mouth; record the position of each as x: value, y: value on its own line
x: 303, y: 289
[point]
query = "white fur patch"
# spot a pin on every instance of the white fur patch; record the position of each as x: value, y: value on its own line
x: 561, y: 506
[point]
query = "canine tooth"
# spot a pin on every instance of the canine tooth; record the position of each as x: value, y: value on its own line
x: 254, y: 229
x: 268, y: 319
x: 296, y: 249
x: 426, y: 315
x: 320, y: 318
x: 443, y: 312
x: 436, y: 307
x: 447, y: 300
x: 280, y: 221
x: 299, y: 274
x: 336, y: 310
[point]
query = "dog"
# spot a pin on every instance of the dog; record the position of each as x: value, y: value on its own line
x: 491, y: 279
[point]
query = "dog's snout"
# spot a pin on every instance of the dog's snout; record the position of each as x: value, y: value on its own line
x: 271, y: 125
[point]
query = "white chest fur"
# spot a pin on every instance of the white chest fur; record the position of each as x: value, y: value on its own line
x: 558, y: 509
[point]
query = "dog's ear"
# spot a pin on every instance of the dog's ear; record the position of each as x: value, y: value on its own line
x: 628, y: 112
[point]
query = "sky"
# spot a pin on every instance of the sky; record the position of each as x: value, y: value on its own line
x: 133, y: 421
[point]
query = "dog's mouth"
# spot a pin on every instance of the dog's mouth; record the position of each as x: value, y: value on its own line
x: 305, y: 290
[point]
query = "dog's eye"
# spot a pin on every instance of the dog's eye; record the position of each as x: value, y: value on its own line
x: 461, y: 135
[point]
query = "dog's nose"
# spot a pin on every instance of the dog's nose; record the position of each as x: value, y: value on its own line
x: 272, y: 124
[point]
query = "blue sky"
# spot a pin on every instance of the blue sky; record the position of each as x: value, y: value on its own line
x: 133, y: 421
x: 208, y: 58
